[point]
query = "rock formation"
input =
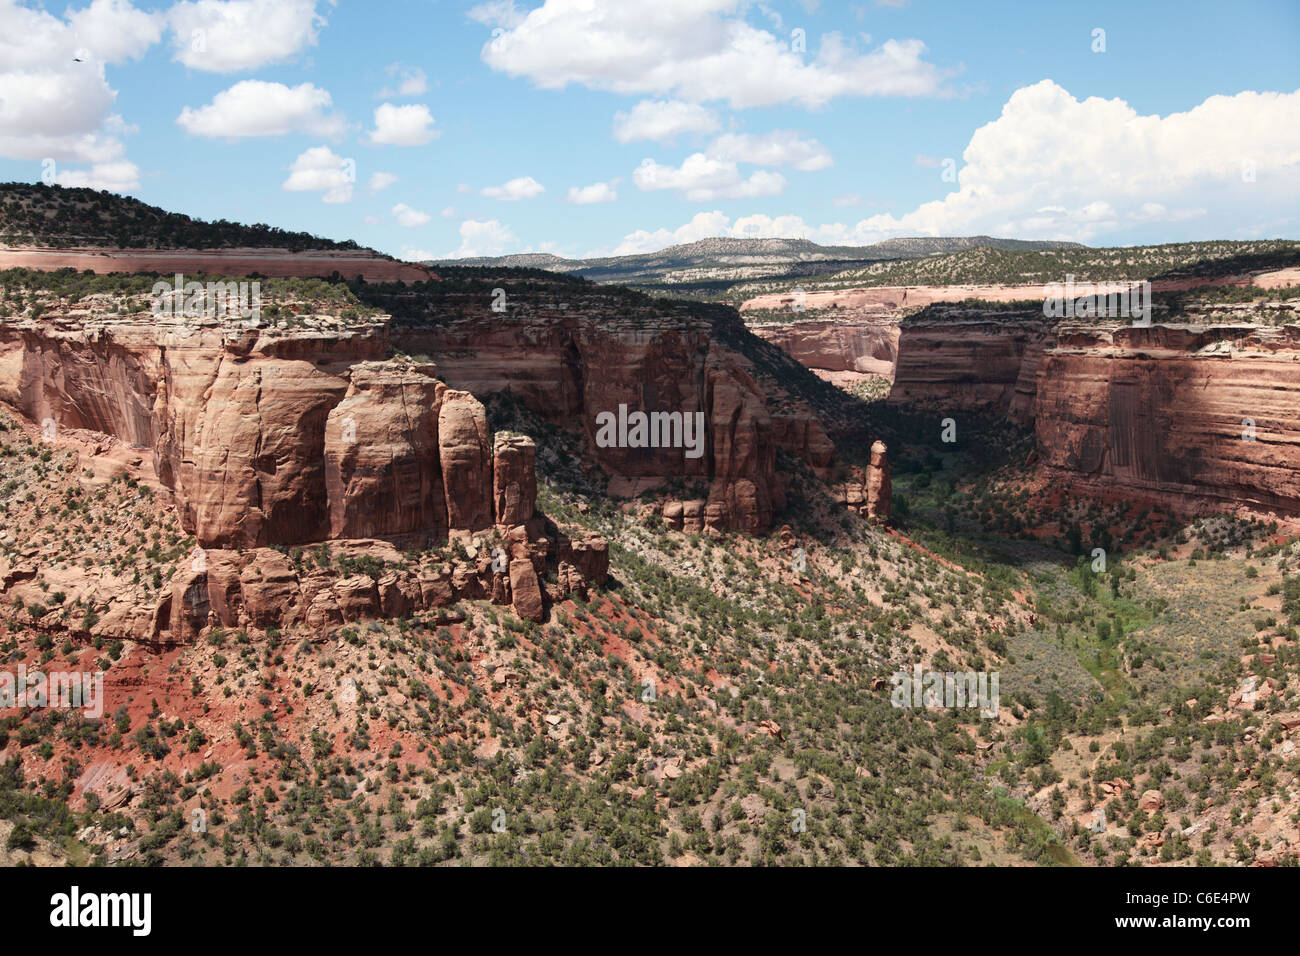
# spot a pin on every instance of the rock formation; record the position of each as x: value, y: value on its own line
x: 514, y: 480
x: 867, y: 490
x: 878, y: 489
x: 274, y: 437
x: 570, y: 362
x: 840, y: 351
x: 1197, y: 418
x: 1190, y: 416
x: 382, y: 474
x: 971, y: 360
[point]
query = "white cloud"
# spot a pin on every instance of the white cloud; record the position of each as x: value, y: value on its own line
x: 409, y: 125
x: 595, y: 193
x: 503, y: 12
x: 417, y: 255
x: 847, y: 199
x: 119, y: 177
x: 522, y: 187
x: 703, y: 179
x: 114, y: 31
x: 406, y: 216
x: 776, y: 148
x: 225, y: 36
x: 259, y: 108
x: 663, y: 120
x: 411, y: 81
x: 54, y: 107
x: 380, y: 181
x: 1052, y: 166
x: 483, y: 238
x: 695, y: 50
x: 319, y: 170
x: 448, y: 212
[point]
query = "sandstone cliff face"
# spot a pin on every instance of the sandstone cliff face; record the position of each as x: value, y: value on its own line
x: 272, y: 437
x: 465, y: 450
x: 841, y: 352
x: 571, y: 362
x: 382, y: 474
x: 987, y: 362
x: 1168, y: 411
x: 1158, y: 412
x: 514, y: 478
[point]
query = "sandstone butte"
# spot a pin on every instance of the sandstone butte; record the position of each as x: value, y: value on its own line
x: 268, y: 437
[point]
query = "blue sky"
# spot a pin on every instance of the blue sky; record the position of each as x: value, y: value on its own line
x: 1186, y: 126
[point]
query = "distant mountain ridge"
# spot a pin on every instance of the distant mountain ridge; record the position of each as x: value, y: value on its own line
x: 736, y: 251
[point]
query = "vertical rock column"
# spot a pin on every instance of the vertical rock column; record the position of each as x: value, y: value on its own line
x: 878, y: 489
x: 465, y: 450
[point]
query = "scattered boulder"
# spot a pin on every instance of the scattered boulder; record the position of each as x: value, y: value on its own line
x: 1151, y: 800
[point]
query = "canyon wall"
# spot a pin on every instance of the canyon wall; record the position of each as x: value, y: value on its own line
x: 973, y: 360
x: 1158, y: 412
x: 1191, y: 416
x: 573, y: 361
x: 842, y: 352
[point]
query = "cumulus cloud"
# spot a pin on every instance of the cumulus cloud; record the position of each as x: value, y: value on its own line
x: 259, y: 108
x: 483, y: 238
x: 54, y: 107
x: 114, y: 31
x: 694, y: 50
x: 379, y: 181
x: 122, y: 176
x: 701, y: 178
x: 503, y: 12
x: 522, y: 187
x: 411, y: 81
x: 226, y: 36
x: 410, y: 125
x: 777, y: 148
x: 406, y: 216
x: 1052, y: 166
x: 319, y: 170
x: 595, y: 193
x: 662, y: 121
